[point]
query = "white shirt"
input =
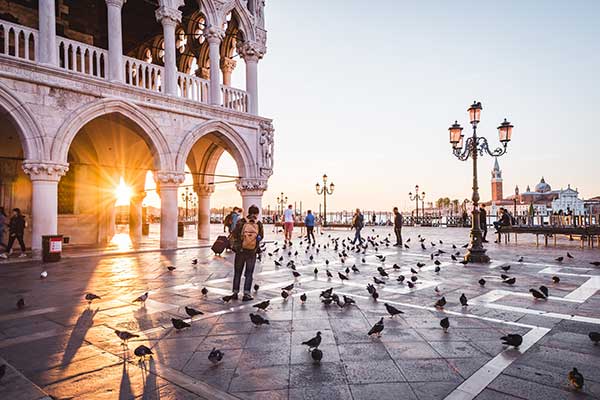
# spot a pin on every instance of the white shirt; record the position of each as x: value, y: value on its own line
x: 288, y: 215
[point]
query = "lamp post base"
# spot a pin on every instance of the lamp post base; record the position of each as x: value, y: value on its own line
x: 477, y: 256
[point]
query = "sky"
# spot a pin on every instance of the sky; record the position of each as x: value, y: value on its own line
x: 365, y: 91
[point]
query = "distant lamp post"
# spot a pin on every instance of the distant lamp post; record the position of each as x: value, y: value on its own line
x: 281, y: 201
x: 515, y: 200
x: 475, y: 146
x: 416, y: 198
x: 187, y: 197
x: 325, y: 192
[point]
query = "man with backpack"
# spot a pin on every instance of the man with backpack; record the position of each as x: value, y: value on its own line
x: 246, y: 240
x: 358, y: 222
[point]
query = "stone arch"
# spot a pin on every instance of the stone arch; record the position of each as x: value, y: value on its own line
x: 234, y: 144
x: 152, y: 134
x: 30, y: 133
x: 245, y: 19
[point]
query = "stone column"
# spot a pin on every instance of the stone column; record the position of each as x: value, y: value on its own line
x: 168, y: 183
x: 115, y: 40
x: 227, y: 67
x: 169, y: 17
x: 135, y: 216
x: 214, y: 35
x: 47, y: 36
x: 44, y: 199
x: 252, y: 191
x: 204, y: 192
x: 251, y: 53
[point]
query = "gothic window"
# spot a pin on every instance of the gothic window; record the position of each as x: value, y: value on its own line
x: 66, y: 193
x: 227, y: 20
x: 148, y: 56
x: 181, y: 41
x: 199, y: 29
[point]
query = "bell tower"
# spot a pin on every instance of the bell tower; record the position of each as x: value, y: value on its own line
x: 496, y: 182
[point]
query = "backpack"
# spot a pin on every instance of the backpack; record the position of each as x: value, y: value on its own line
x: 249, y: 235
x: 228, y: 219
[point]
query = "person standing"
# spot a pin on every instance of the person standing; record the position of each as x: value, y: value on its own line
x: 483, y: 222
x: 398, y: 226
x: 3, y: 221
x: 288, y: 223
x: 246, y: 243
x: 309, y: 223
x: 235, y: 217
x: 16, y: 230
x: 358, y: 222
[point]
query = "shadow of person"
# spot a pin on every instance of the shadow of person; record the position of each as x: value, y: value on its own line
x: 150, y: 388
x: 83, y: 324
x: 125, y: 392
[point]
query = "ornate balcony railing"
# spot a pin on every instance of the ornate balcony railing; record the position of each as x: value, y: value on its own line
x: 234, y: 99
x: 193, y: 88
x: 18, y: 41
x: 143, y: 75
x: 82, y: 58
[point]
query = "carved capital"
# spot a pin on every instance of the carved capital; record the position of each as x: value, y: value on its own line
x: 115, y: 3
x: 228, y: 64
x: 168, y: 15
x: 214, y: 34
x: 251, y: 51
x: 251, y: 185
x: 204, y: 189
x: 169, y: 177
x: 44, y: 170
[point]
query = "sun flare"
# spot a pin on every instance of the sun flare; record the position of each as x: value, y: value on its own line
x: 123, y: 193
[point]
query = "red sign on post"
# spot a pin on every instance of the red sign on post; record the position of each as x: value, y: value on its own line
x: 55, y: 245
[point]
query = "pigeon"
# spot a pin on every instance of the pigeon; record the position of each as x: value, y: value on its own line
x: 316, y: 355
x: 91, y: 297
x: 400, y: 278
x: 544, y: 290
x: 329, y: 275
x: 420, y: 265
x: 284, y: 294
x: 354, y: 269
x: 256, y: 287
x: 463, y: 300
x: 453, y: 257
x: 315, y: 271
x: 377, y: 328
x: 413, y: 271
x: 2, y: 371
x: 392, y: 310
x: 465, y: 246
x: 505, y: 268
x: 125, y: 336
x: 43, y: 274
x: 411, y: 285
x: 595, y: 263
x: 481, y: 282
x: 227, y: 299
x: 258, y: 320
x: 171, y: 268
x: 194, y: 261
x: 445, y: 324
x: 464, y: 262
x: 314, y: 342
x: 342, y: 276
x: 296, y: 274
x: 263, y: 305
x: 204, y: 291
x: 575, y: 378
x: 288, y: 288
x: 440, y: 303
x: 348, y: 300
x: 555, y: 279
x: 347, y: 270
x: 192, y: 312
x: 215, y: 355
x: 510, y: 281
x: 559, y: 259
x: 569, y: 255
x: 383, y: 273
x: 303, y: 297
x: 594, y: 337
x: 378, y: 281
x: 21, y: 303
x: 179, y: 323
x: 437, y: 262
x: 141, y: 299
x: 504, y: 277
x: 436, y: 270
x: 520, y: 259
x: 327, y: 293
x: 413, y: 278
x: 512, y: 339
x: 537, y: 294
x: 142, y: 351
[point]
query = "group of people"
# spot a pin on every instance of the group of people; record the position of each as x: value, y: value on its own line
x: 16, y: 231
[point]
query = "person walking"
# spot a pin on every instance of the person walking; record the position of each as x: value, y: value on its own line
x: 288, y: 223
x: 483, y: 222
x: 246, y: 243
x: 309, y: 223
x: 358, y: 222
x: 3, y: 222
x: 16, y: 230
x: 398, y: 220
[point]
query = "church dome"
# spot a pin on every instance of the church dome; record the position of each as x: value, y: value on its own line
x: 542, y: 187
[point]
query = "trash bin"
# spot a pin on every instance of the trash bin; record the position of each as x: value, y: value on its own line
x: 51, y: 247
x: 180, y: 229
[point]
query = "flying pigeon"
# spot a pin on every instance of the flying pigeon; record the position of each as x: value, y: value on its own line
x: 314, y: 342
x: 512, y: 339
x: 215, y: 355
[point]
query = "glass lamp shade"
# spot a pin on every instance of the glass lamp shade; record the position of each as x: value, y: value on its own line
x: 505, y: 131
x: 331, y: 187
x: 455, y: 133
x: 324, y: 178
x: 318, y: 187
x: 475, y: 112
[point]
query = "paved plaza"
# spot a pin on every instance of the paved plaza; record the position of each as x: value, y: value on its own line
x: 69, y: 350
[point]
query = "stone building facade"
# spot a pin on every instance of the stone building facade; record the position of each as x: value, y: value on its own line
x: 87, y: 98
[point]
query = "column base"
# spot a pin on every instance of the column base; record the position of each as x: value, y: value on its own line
x: 477, y: 256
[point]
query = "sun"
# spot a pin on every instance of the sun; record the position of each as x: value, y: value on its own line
x: 123, y: 193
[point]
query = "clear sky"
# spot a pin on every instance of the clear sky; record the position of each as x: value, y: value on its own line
x: 366, y: 90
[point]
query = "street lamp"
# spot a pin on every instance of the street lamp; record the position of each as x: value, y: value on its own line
x: 187, y: 197
x: 324, y: 191
x: 416, y: 198
x: 281, y: 201
x: 476, y: 146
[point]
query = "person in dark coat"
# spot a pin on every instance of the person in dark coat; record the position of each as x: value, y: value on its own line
x: 16, y: 231
x: 483, y: 222
x: 398, y: 226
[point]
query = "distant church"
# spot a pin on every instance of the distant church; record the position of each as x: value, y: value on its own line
x: 541, y: 201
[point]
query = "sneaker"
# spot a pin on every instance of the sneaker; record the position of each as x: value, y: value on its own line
x: 3, y: 255
x: 234, y: 296
x: 22, y: 255
x: 247, y: 297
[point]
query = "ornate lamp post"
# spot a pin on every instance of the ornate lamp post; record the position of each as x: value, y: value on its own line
x: 187, y: 197
x: 325, y: 191
x: 416, y: 198
x: 475, y: 146
x: 281, y: 201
